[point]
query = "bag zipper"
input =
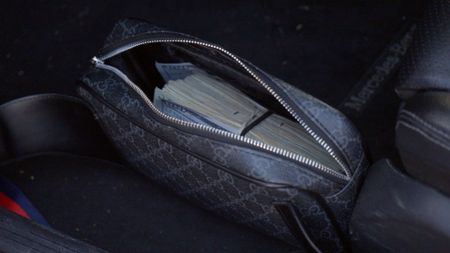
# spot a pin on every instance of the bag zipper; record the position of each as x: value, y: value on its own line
x: 346, y: 175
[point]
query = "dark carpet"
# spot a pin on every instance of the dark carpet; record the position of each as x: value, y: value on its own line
x: 119, y: 210
x: 322, y: 48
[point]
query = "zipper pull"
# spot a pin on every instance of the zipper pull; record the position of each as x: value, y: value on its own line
x: 96, y: 61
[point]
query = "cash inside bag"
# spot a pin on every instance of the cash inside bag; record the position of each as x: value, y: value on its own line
x: 192, y: 94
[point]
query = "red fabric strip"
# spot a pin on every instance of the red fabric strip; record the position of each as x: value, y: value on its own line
x: 12, y: 206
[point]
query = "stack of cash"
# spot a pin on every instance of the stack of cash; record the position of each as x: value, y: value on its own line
x: 193, y: 95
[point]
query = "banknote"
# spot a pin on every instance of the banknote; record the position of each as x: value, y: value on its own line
x: 214, y: 99
x: 175, y: 71
x: 192, y: 94
x: 281, y: 132
x: 183, y: 113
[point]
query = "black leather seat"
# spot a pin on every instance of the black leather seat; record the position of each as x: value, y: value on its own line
x: 50, y: 122
x: 423, y: 137
x: 423, y: 128
x: 397, y: 213
x: 408, y: 210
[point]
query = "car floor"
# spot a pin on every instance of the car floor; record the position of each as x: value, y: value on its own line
x: 324, y: 49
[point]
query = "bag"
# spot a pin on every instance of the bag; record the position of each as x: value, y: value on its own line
x: 282, y: 194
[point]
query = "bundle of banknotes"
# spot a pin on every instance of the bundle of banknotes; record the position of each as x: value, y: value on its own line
x: 194, y: 95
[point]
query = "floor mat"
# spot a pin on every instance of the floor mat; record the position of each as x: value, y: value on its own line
x: 119, y: 210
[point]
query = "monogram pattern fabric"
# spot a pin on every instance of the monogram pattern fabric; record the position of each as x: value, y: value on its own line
x: 239, y: 182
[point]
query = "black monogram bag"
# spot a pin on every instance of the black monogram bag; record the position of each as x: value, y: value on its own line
x: 280, y: 193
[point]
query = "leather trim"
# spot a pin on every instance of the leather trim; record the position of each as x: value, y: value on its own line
x: 394, y: 210
x: 424, y: 128
x: 51, y: 122
x: 423, y: 138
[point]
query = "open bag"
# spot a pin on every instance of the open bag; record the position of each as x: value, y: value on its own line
x: 275, y: 191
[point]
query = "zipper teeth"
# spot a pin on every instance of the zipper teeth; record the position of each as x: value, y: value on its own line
x: 297, y: 157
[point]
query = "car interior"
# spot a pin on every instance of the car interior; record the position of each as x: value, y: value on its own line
x: 90, y: 166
